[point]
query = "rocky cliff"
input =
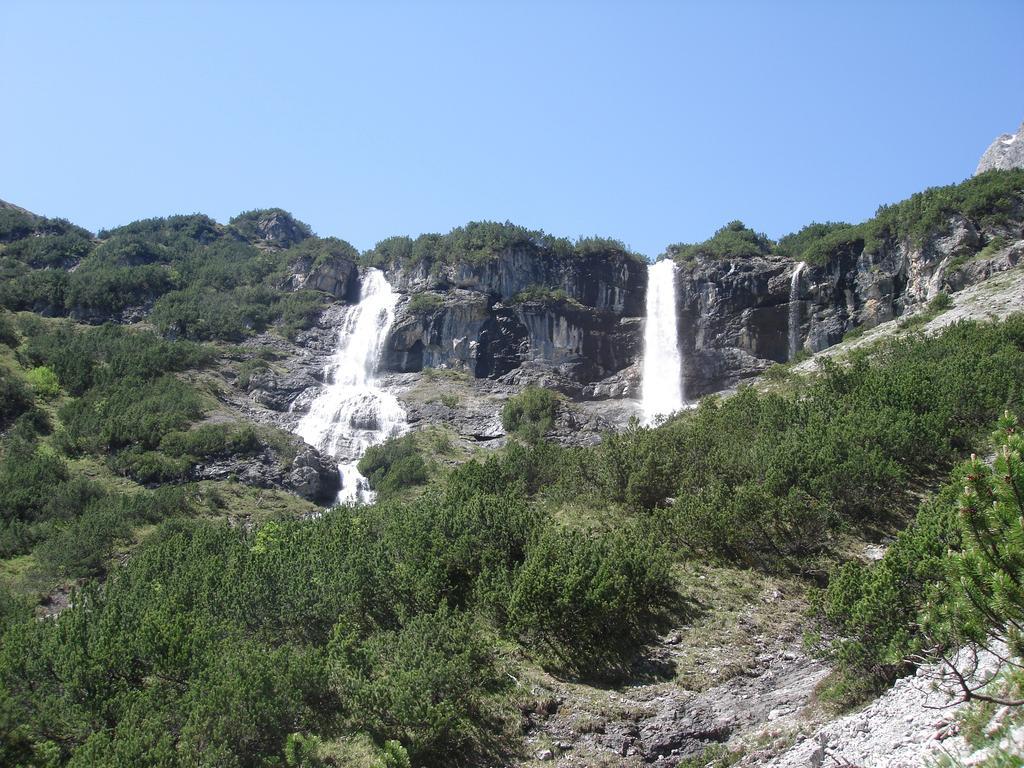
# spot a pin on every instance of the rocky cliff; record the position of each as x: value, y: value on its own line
x: 523, y: 314
x: 734, y: 313
x: 1003, y: 154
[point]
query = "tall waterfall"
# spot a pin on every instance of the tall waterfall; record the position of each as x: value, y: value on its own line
x: 794, y: 310
x: 353, y: 412
x: 661, y: 389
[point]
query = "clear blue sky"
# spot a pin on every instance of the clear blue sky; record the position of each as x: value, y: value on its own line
x: 646, y: 121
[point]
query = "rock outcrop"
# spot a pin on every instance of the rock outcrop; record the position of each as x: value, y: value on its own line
x: 522, y: 314
x: 1004, y: 153
x: 336, y: 276
x: 734, y: 314
x: 308, y: 473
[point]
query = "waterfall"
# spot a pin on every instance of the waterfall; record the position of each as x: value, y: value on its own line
x: 353, y: 412
x: 661, y: 388
x: 794, y: 310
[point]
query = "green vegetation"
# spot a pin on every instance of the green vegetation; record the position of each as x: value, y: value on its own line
x: 546, y: 296
x: 425, y: 302
x: 248, y: 368
x: 209, y: 624
x: 987, y: 199
x: 733, y: 241
x: 248, y: 223
x: 124, y: 399
x: 481, y: 241
x: 990, y: 249
x: 820, y: 243
x: 203, y: 280
x: 952, y: 577
x: 393, y: 465
x: 939, y: 304
x: 401, y: 623
x: 531, y: 413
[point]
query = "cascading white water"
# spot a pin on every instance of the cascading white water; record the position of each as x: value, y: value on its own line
x: 353, y: 412
x: 661, y: 388
x: 794, y: 310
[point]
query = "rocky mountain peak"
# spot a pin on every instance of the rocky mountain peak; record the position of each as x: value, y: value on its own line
x: 271, y: 226
x: 1003, y: 154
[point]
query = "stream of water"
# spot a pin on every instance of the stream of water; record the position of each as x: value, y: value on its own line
x: 353, y: 411
x: 661, y: 390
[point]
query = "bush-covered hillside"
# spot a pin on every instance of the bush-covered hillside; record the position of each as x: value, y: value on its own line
x: 150, y: 618
x: 195, y: 278
x: 986, y: 199
x: 480, y: 241
x: 398, y: 629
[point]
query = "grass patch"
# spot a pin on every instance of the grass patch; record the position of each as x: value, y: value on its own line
x: 736, y: 607
x: 939, y: 304
x: 444, y: 374
x: 243, y: 504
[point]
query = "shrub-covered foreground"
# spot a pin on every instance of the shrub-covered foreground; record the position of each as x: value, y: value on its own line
x: 955, y: 576
x: 213, y: 645
x: 401, y: 622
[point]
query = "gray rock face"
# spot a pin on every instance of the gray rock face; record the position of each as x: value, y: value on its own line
x: 279, y: 229
x: 1004, y: 153
x: 338, y: 277
x: 489, y: 320
x: 734, y: 315
x: 310, y: 474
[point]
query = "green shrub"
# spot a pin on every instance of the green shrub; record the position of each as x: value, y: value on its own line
x: 586, y: 601
x: 298, y: 311
x: 83, y: 358
x: 815, y: 241
x: 106, y: 290
x: 733, y: 241
x: 60, y: 251
x: 16, y: 224
x: 211, y: 440
x: 248, y: 368
x: 29, y: 474
x: 424, y: 303
x: 84, y: 546
x: 8, y: 333
x: 43, y: 382
x: 41, y: 290
x: 988, y: 571
x: 531, y: 413
x: 15, y: 395
x: 130, y: 412
x: 940, y: 302
x: 425, y: 685
x: 481, y: 241
x: 874, y: 609
x: 394, y: 465
x: 250, y: 225
x: 545, y: 295
x: 151, y: 467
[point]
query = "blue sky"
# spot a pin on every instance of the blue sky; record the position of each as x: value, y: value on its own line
x: 650, y: 122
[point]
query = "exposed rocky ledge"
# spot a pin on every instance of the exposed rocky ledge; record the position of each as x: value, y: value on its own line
x: 1003, y: 154
x: 309, y: 474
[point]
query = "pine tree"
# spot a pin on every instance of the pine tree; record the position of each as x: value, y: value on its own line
x: 990, y: 569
